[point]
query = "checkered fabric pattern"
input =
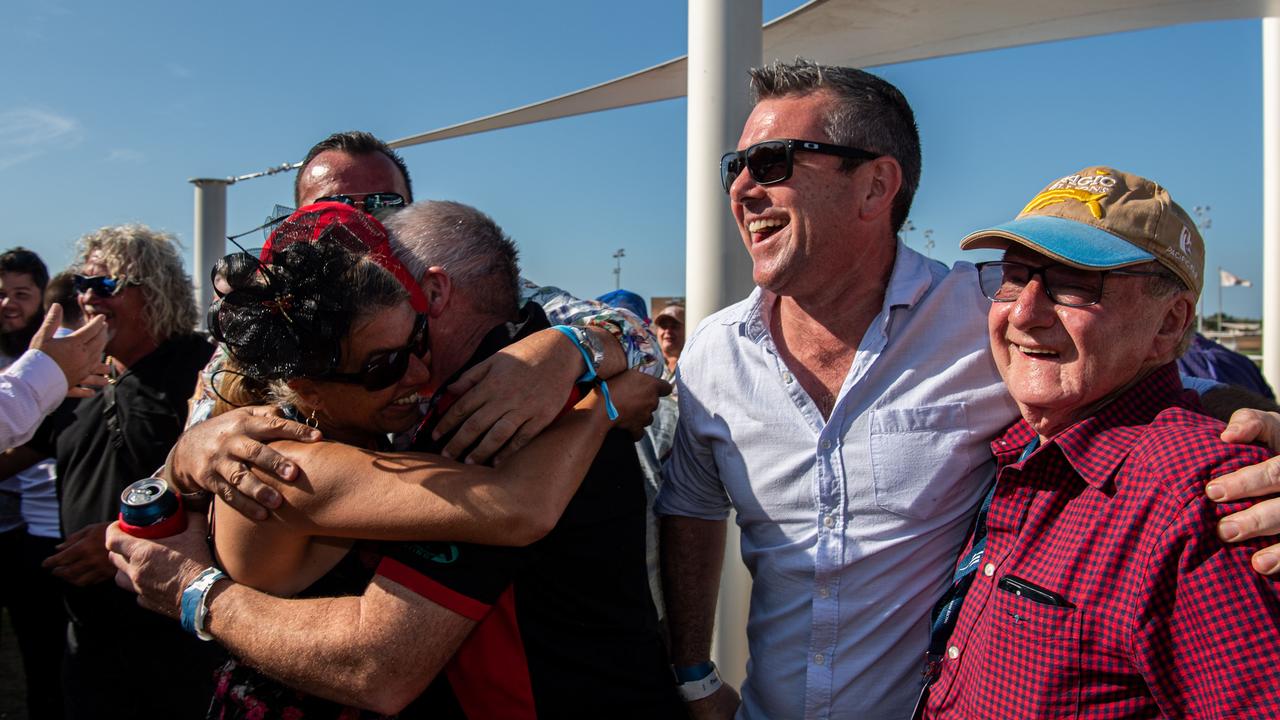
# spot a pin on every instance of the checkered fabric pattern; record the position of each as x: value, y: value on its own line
x: 1163, y: 618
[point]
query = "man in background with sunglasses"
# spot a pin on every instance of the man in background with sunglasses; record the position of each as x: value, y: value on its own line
x: 132, y: 278
x: 506, y: 400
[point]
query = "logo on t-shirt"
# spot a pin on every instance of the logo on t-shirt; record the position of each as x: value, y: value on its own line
x: 438, y: 552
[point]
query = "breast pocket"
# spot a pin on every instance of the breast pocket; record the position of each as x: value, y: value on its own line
x: 919, y: 456
x: 1042, y: 643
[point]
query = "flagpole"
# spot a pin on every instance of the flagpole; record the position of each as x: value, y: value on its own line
x: 1219, y: 299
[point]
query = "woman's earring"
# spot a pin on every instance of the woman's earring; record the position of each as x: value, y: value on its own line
x: 311, y: 421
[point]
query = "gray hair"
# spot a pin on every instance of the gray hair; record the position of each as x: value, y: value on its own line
x: 480, y: 258
x: 868, y: 113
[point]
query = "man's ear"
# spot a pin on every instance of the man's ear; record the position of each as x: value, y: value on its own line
x: 884, y: 179
x: 1174, y: 326
x: 438, y: 287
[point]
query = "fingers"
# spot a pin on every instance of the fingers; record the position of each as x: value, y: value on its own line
x: 462, y: 408
x: 52, y: 320
x: 264, y: 426
x: 1258, y: 520
x: 1253, y: 481
x: 479, y: 419
x: 499, y: 435
x: 523, y: 437
x: 1248, y: 425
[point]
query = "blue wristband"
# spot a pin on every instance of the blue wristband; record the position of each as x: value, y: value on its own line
x: 693, y: 673
x: 590, y: 374
x: 193, y: 610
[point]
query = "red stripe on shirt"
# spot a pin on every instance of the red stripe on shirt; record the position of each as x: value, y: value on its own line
x: 467, y: 607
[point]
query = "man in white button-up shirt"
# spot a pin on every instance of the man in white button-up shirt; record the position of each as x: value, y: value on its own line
x: 843, y: 409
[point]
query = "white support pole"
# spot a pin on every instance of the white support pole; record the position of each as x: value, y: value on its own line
x: 210, y: 235
x: 1271, y: 200
x: 725, y: 40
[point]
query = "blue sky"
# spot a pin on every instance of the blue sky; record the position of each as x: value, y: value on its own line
x: 109, y: 108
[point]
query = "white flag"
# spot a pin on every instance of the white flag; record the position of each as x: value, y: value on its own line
x: 1229, y: 280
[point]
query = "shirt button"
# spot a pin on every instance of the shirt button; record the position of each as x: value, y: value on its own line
x: 824, y: 592
x: 826, y: 444
x: 989, y: 569
x: 953, y: 652
x: 829, y: 521
x: 786, y: 378
x: 819, y: 659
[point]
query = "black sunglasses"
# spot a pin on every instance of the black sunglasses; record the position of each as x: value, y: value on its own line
x: 101, y: 285
x: 1003, y: 281
x: 385, y: 369
x: 371, y: 203
x: 770, y: 161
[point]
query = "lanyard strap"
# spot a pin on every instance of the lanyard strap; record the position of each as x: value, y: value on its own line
x: 947, y: 611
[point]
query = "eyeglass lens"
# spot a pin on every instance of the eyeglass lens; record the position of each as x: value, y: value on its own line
x: 1005, y: 281
x: 768, y: 162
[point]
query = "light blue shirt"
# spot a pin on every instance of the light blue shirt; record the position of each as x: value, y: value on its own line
x: 851, y: 526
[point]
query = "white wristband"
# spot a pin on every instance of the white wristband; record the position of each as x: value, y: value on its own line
x: 699, y: 689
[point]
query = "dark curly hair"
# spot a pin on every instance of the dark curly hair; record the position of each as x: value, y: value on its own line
x: 288, y: 318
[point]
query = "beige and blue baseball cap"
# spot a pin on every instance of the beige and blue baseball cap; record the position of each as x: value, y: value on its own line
x: 1101, y: 219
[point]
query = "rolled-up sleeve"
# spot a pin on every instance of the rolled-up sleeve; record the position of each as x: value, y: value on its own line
x: 691, y: 480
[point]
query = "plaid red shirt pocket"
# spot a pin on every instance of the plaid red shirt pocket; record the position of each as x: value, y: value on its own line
x: 1041, y: 640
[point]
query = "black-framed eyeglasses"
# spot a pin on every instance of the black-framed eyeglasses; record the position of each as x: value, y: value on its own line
x: 385, y: 369
x: 370, y: 203
x: 770, y: 161
x: 101, y: 285
x: 1004, y: 281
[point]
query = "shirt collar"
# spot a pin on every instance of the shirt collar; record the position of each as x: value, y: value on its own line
x: 909, y: 281
x: 1096, y: 446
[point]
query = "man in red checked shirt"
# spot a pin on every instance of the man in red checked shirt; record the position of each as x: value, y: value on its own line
x: 1096, y: 585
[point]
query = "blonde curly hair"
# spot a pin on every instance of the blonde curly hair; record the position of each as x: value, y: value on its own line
x: 151, y: 259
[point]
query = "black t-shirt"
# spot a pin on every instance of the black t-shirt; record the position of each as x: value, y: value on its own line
x: 101, y: 445
x: 123, y: 433
x: 567, y: 626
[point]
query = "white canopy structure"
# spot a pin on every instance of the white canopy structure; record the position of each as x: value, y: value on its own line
x: 726, y: 38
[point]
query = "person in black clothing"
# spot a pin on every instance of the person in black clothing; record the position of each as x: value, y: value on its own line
x: 565, y: 627
x: 121, y: 660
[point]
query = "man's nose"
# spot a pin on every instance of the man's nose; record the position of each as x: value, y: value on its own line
x: 1033, y: 305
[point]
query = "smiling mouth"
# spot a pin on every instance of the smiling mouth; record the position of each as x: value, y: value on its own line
x: 1034, y: 352
x: 762, y: 228
x: 411, y: 399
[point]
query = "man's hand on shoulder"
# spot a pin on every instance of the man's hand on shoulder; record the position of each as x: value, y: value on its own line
x: 505, y: 401
x: 228, y: 455
x: 1255, y: 481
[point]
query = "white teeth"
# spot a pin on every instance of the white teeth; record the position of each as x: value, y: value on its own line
x: 1033, y: 351
x: 758, y: 225
x: 410, y: 400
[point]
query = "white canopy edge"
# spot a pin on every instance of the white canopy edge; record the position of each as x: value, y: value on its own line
x: 866, y: 33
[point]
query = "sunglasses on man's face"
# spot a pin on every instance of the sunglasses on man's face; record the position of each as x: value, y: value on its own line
x: 370, y: 203
x: 385, y: 369
x: 101, y: 285
x: 771, y: 161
